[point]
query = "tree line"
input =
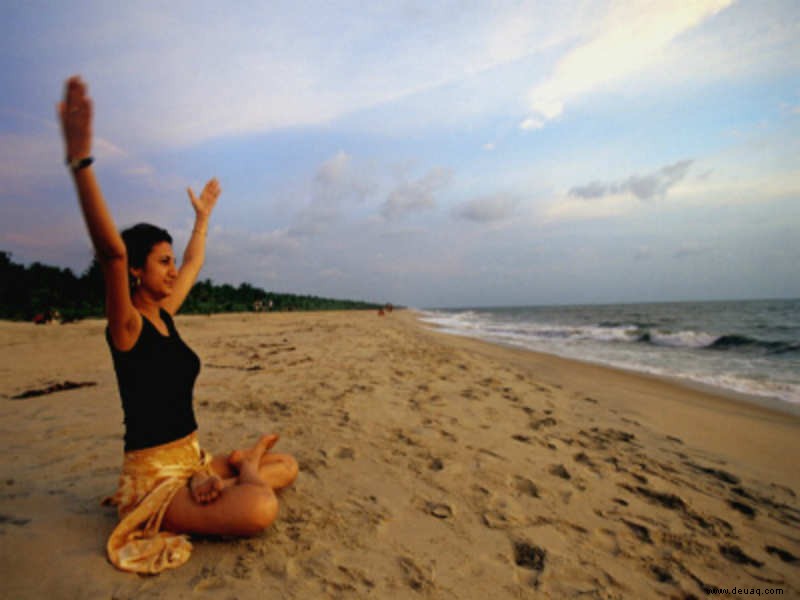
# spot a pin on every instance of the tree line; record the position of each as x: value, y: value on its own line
x: 30, y: 291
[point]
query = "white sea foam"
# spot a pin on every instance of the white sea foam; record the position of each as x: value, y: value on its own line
x: 638, y: 343
x: 682, y: 339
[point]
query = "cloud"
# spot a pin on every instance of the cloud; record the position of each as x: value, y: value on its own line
x: 260, y: 67
x: 334, y: 170
x: 498, y: 207
x: 335, y: 184
x: 531, y: 124
x: 629, y: 39
x: 595, y: 189
x: 414, y: 196
x: 643, y: 187
x: 601, y: 208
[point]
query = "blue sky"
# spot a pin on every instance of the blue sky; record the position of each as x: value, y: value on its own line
x: 428, y: 154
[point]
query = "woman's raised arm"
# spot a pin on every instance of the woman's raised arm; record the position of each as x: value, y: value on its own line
x: 75, y: 114
x: 194, y: 255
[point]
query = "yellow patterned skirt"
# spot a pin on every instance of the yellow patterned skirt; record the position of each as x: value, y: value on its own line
x: 149, y: 481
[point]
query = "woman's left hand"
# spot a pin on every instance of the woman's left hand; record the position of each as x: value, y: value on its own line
x: 208, y: 198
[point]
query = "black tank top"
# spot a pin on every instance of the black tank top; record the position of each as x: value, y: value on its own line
x: 155, y: 379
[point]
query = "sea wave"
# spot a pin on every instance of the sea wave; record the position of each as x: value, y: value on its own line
x: 749, y: 364
x: 727, y: 342
x: 609, y: 331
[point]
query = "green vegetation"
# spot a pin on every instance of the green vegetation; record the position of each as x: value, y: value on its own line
x: 38, y: 289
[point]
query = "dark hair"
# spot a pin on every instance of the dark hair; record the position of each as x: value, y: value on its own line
x: 139, y: 241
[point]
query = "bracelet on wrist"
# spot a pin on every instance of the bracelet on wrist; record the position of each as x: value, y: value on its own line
x: 76, y: 164
x: 200, y: 231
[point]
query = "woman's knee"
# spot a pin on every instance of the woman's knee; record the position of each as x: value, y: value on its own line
x: 292, y: 468
x: 261, y: 512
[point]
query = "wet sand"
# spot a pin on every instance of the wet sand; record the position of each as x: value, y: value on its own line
x: 432, y: 466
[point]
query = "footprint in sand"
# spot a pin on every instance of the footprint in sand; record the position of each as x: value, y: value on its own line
x: 583, y: 459
x: 438, y: 510
x: 526, y: 486
x: 661, y: 574
x: 448, y: 436
x: 784, y: 555
x: 207, y: 579
x: 346, y: 453
x: 742, y: 508
x: 531, y: 557
x: 559, y: 471
x: 546, y: 422
x: 355, y: 578
x: 13, y: 520
x: 243, y: 569
x: 415, y: 576
x: 735, y: 554
x: 640, y: 531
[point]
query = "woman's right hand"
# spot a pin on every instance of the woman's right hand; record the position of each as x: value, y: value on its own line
x: 75, y: 113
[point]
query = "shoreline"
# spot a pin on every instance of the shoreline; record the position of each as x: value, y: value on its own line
x: 772, y: 403
x: 732, y: 409
x: 432, y: 466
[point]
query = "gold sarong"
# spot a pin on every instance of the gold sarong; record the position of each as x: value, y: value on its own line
x: 149, y: 481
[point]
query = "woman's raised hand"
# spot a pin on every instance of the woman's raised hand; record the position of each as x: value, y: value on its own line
x: 208, y: 198
x: 75, y: 114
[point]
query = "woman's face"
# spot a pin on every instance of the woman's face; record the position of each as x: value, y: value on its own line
x: 159, y: 272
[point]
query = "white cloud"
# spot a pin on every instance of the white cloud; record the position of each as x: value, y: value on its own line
x: 336, y: 184
x: 531, y: 124
x: 630, y: 38
x: 265, y: 66
x: 417, y: 195
x: 339, y: 180
x: 334, y: 169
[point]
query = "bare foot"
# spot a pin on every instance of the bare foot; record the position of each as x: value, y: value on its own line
x: 251, y: 460
x: 264, y: 444
x: 205, y: 487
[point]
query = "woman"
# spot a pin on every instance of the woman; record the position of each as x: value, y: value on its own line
x: 168, y: 487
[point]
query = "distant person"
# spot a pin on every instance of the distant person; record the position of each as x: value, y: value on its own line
x: 168, y: 485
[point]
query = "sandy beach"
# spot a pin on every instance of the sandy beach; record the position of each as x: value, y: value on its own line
x: 432, y: 466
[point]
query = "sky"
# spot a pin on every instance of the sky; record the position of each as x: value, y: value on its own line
x: 429, y: 154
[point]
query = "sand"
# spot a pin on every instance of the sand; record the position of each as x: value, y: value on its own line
x: 432, y: 466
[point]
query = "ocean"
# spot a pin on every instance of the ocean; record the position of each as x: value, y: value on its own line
x: 751, y: 347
